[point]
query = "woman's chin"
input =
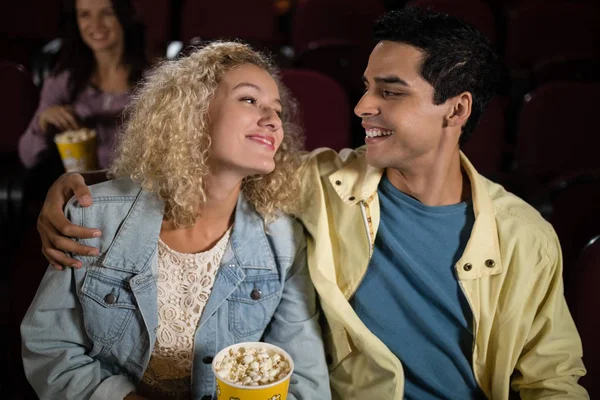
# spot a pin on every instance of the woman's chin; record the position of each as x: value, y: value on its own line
x: 262, y: 169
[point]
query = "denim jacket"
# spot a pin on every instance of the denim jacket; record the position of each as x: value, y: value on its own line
x: 89, y: 332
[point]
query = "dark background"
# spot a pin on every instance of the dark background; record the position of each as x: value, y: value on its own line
x: 539, y: 137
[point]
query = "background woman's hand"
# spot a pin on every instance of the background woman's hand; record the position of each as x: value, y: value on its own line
x: 56, y: 230
x: 62, y: 117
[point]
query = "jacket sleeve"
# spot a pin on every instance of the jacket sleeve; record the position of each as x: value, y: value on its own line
x: 295, y: 329
x: 551, y: 363
x: 55, y: 346
x: 34, y: 141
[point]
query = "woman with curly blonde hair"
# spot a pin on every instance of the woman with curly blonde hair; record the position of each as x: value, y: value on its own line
x: 197, y: 251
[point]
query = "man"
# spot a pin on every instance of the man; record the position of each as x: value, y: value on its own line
x: 435, y: 282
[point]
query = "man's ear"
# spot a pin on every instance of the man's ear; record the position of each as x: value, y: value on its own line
x: 460, y: 111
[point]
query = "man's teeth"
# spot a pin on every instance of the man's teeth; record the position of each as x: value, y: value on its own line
x: 378, y: 132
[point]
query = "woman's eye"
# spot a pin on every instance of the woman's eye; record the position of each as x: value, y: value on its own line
x: 249, y: 100
x: 279, y: 114
x: 387, y: 93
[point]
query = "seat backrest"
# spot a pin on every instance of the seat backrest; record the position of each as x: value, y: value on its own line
x: 37, y: 19
x: 17, y: 104
x: 19, y: 51
x: 566, y: 70
x: 575, y: 214
x: 157, y: 19
x: 487, y: 146
x: 556, y: 130
x: 584, y: 302
x: 333, y: 19
x: 549, y: 29
x: 342, y: 60
x: 253, y: 21
x: 474, y: 12
x: 324, y: 107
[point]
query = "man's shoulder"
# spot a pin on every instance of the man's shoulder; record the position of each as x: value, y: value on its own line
x: 516, y: 216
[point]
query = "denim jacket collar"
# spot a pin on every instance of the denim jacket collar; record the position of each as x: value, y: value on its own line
x: 132, y: 252
x: 132, y: 249
x: 249, y: 246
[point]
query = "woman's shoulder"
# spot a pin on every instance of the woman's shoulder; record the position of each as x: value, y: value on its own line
x: 123, y: 188
x: 286, y: 234
x: 116, y: 194
x: 58, y: 78
x: 56, y: 85
x: 119, y: 204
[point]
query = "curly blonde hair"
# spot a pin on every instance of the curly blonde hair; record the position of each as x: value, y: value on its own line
x: 165, y: 144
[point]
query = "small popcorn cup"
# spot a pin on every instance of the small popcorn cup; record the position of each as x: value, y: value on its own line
x: 277, y: 390
x: 77, y: 150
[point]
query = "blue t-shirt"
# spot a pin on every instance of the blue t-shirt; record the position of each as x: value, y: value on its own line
x: 410, y: 297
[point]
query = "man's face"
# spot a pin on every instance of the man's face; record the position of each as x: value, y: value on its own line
x: 402, y: 124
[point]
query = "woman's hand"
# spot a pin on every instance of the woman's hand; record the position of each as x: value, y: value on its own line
x: 56, y: 230
x: 61, y: 117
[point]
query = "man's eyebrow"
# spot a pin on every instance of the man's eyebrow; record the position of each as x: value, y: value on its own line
x: 253, y: 86
x: 391, y: 79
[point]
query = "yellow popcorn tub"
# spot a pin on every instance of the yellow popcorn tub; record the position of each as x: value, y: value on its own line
x: 275, y: 390
x: 77, y: 150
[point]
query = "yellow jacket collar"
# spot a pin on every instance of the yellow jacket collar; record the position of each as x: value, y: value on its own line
x: 357, y: 181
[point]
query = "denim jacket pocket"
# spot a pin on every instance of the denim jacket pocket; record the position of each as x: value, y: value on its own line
x: 108, y: 306
x: 253, y: 303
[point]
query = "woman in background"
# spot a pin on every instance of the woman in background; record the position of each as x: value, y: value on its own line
x: 101, y: 60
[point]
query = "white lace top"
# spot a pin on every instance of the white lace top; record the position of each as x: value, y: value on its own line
x: 184, y: 285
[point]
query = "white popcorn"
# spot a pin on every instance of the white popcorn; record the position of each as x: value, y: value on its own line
x: 75, y: 136
x: 252, y: 366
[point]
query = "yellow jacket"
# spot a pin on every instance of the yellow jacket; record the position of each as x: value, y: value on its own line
x: 510, y: 272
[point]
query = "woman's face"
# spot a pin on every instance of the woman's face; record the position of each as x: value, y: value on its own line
x: 98, y: 25
x: 245, y: 124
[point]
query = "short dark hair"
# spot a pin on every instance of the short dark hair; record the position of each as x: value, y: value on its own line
x: 457, y: 57
x: 77, y: 58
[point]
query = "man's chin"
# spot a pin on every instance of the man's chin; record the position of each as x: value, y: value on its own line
x: 374, y: 159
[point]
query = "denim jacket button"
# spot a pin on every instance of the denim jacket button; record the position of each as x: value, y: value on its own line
x: 255, y: 295
x: 110, y: 298
x: 207, y: 360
